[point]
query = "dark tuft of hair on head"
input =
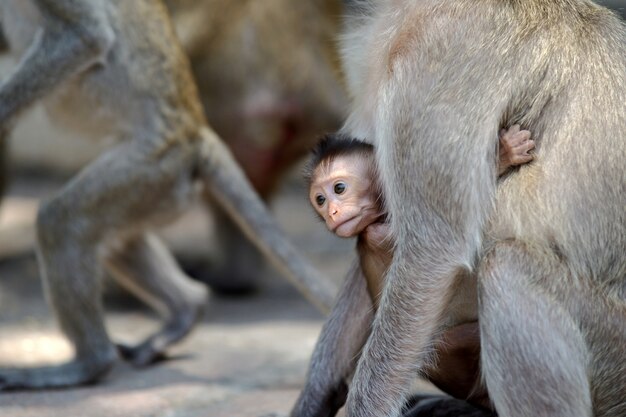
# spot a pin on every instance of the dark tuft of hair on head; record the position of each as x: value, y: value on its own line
x: 330, y: 146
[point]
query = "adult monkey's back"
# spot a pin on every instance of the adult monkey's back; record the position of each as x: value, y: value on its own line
x: 115, y: 67
x: 547, y: 246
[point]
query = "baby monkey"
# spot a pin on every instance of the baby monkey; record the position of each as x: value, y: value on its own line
x: 345, y: 192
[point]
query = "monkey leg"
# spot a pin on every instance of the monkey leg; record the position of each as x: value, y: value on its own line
x: 77, y: 304
x: 534, y: 357
x: 227, y: 183
x: 337, y: 350
x: 144, y: 266
x: 124, y: 190
x: 234, y: 268
x: 239, y: 261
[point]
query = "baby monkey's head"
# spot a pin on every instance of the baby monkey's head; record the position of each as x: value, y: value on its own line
x: 343, y: 185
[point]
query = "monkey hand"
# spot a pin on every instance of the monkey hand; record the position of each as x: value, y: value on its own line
x: 514, y: 147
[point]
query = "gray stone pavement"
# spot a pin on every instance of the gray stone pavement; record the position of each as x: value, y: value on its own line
x: 247, y: 357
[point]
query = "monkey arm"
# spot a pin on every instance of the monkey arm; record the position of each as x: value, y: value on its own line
x: 337, y: 349
x: 375, y: 249
x: 74, y: 35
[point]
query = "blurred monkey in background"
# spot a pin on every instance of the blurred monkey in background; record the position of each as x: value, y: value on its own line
x: 116, y: 67
x: 269, y: 79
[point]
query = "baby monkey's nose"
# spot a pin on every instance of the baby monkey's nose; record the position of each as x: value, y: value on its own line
x: 332, y: 210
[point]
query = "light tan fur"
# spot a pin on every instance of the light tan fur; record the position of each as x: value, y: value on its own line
x: 432, y: 84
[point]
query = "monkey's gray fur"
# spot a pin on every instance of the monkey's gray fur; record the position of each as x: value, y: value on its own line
x: 115, y: 67
x: 546, y: 248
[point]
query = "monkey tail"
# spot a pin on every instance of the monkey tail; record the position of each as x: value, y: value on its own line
x: 224, y: 178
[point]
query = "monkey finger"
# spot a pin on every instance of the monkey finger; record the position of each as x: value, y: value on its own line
x: 524, y: 147
x: 513, y: 135
x: 522, y: 135
x: 520, y: 159
x: 505, y: 143
x: 519, y: 138
x: 530, y: 144
x: 514, y: 129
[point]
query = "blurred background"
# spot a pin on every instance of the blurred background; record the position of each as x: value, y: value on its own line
x: 269, y: 77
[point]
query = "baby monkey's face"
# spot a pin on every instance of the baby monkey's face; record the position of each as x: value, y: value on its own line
x: 345, y: 195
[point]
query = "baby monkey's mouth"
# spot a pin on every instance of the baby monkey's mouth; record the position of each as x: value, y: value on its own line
x: 345, y: 228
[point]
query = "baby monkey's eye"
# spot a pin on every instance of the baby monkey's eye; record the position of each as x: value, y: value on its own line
x: 340, y: 187
x: 320, y: 200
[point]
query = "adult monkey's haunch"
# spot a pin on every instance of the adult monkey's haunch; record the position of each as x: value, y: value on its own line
x: 547, y: 246
x: 116, y: 67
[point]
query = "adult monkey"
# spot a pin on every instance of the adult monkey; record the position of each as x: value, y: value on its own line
x: 267, y: 105
x: 116, y: 66
x: 552, y: 295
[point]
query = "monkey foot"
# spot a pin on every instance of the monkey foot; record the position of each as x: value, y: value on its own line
x: 70, y: 374
x: 142, y: 355
x: 182, y: 322
x: 442, y: 406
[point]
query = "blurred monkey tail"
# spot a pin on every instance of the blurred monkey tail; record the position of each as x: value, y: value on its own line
x: 226, y: 181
